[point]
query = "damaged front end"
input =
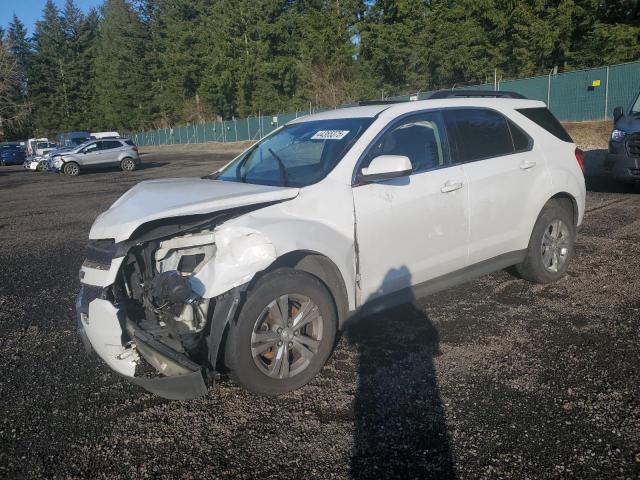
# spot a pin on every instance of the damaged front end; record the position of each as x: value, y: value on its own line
x: 155, y: 308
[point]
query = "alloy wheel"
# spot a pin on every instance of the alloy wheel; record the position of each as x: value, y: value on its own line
x: 286, y: 336
x: 555, y: 245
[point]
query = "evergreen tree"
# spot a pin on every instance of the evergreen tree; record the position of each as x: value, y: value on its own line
x: 85, y: 115
x: 178, y: 54
x: 389, y: 47
x: 164, y: 62
x: 329, y: 68
x: 47, y: 90
x: 121, y: 82
x: 20, y: 47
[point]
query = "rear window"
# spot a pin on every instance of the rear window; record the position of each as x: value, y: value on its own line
x: 479, y: 134
x: 543, y: 117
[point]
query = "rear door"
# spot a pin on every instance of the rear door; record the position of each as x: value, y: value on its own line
x: 411, y: 229
x: 502, y: 172
x: 109, y: 151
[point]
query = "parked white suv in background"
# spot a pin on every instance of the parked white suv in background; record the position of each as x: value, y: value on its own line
x: 255, y: 268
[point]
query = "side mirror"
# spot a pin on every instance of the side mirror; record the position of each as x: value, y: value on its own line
x: 618, y: 113
x: 385, y: 167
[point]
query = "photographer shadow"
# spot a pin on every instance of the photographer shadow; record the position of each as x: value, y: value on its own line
x: 400, y: 427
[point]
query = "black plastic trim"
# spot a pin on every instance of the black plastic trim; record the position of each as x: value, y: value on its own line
x: 438, y: 284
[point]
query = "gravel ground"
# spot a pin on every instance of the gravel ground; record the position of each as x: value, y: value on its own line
x: 498, y: 378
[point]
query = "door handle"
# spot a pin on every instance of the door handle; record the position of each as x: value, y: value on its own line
x: 527, y: 164
x: 451, y: 186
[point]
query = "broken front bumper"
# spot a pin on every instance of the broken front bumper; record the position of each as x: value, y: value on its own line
x: 101, y: 328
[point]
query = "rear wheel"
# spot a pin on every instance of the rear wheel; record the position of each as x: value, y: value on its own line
x: 551, y: 246
x: 72, y: 169
x: 283, y: 335
x: 128, y: 164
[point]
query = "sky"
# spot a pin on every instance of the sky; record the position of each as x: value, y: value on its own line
x: 29, y: 11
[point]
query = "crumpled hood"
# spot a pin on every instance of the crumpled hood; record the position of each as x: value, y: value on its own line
x: 175, y: 197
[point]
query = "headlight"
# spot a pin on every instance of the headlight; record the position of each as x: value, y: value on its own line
x: 618, y: 135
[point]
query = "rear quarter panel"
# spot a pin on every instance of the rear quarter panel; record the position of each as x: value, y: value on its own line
x: 563, y: 172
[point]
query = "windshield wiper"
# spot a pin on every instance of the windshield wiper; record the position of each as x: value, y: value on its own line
x: 281, y: 167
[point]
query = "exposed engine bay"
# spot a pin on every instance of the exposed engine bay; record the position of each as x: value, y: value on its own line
x: 154, y: 289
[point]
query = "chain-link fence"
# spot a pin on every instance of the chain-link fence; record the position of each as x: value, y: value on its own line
x: 580, y: 95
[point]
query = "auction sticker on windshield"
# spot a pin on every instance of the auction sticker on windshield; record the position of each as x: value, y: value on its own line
x: 330, y: 135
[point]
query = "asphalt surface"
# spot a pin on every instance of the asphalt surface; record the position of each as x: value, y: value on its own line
x: 498, y: 378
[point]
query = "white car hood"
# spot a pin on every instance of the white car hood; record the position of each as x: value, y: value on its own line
x: 174, y: 197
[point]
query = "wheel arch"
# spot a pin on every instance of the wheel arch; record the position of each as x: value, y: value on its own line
x: 570, y: 202
x: 321, y: 267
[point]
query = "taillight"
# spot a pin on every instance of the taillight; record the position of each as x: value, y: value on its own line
x: 135, y: 149
x: 580, y: 159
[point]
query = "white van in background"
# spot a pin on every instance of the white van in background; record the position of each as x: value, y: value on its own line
x: 98, y: 135
x: 39, y: 146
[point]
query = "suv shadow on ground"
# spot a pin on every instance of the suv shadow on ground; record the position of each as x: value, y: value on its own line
x: 597, y: 179
x: 400, y: 427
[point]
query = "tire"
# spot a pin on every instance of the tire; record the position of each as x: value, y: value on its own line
x: 128, y: 164
x: 71, y: 169
x: 255, y: 344
x: 551, y: 246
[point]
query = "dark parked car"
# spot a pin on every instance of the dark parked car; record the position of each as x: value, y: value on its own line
x: 11, y: 155
x: 72, y: 139
x: 623, y: 159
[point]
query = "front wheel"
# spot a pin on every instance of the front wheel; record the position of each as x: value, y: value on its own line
x: 551, y: 246
x: 72, y: 169
x: 283, y: 335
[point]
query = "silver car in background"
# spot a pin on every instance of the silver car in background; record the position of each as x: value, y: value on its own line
x: 120, y: 152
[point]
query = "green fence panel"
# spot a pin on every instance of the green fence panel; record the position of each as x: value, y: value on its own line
x: 535, y: 88
x: 577, y: 96
x: 624, y: 84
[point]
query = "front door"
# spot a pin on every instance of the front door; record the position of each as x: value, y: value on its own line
x: 91, y: 155
x: 413, y: 229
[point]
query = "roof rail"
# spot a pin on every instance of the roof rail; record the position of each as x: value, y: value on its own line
x: 474, y: 93
x: 364, y: 103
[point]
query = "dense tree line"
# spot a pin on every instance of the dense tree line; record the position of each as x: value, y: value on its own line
x: 142, y: 63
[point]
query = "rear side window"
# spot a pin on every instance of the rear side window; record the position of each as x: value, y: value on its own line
x: 521, y: 141
x: 130, y: 143
x: 478, y: 134
x: 109, y: 144
x: 544, y: 118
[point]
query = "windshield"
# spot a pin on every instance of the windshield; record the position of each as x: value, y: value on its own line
x: 296, y: 155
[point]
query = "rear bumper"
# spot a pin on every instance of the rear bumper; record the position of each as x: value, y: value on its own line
x: 101, y: 329
x: 622, y: 167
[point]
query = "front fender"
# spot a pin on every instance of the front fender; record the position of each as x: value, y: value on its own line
x: 251, y: 242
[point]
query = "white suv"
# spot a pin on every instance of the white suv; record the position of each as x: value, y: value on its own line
x: 252, y: 270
